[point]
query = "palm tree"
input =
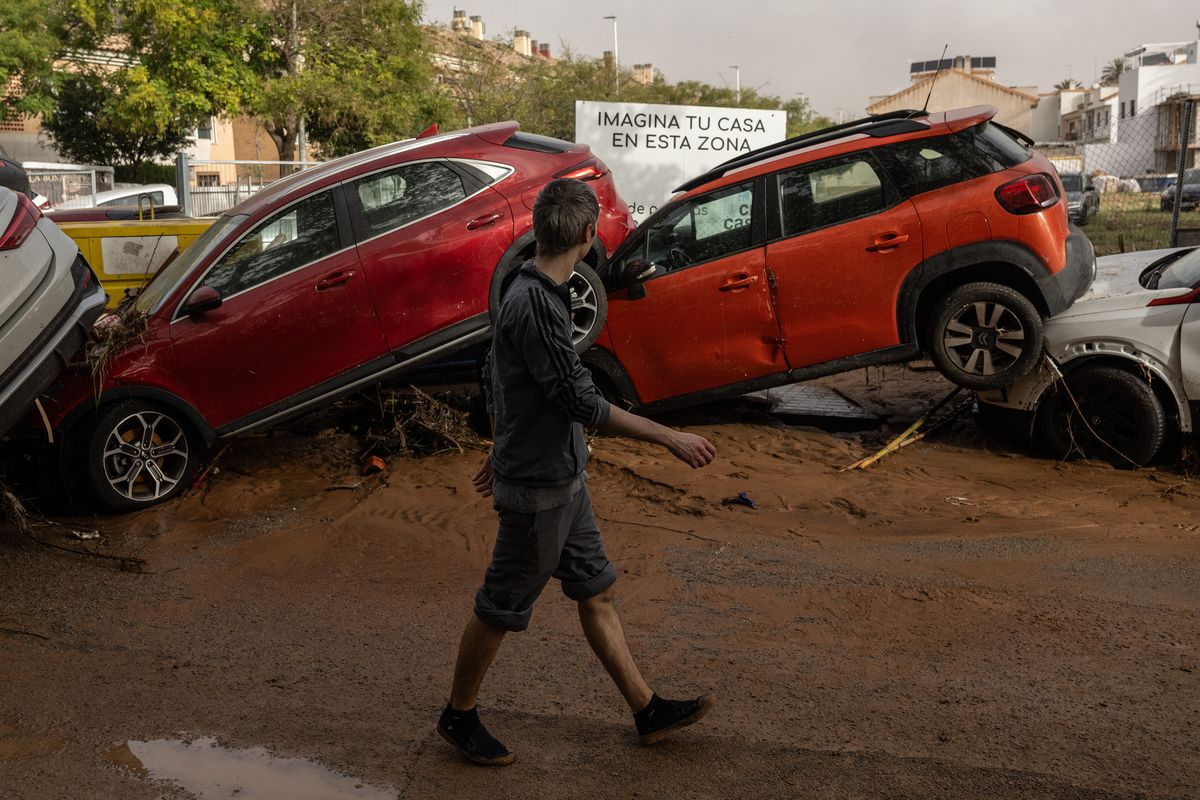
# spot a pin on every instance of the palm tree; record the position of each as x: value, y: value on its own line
x: 1068, y: 83
x: 1112, y: 71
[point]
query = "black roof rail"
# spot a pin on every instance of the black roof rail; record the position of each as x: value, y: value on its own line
x: 889, y: 124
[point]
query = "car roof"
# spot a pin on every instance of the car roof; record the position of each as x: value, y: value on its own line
x: 322, y: 174
x: 859, y: 134
x: 132, y: 191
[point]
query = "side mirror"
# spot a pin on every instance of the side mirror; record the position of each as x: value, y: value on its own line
x: 204, y: 298
x: 639, y: 270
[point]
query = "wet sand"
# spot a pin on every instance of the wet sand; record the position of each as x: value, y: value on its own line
x: 963, y: 620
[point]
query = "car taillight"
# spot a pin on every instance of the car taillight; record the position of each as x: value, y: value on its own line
x: 23, y: 223
x: 1179, y: 299
x: 1027, y: 195
x: 589, y: 170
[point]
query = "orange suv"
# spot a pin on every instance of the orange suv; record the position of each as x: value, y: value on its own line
x: 865, y: 243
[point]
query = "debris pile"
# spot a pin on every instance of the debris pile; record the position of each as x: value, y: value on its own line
x: 410, y: 422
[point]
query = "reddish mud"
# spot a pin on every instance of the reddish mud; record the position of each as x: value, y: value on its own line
x: 963, y: 620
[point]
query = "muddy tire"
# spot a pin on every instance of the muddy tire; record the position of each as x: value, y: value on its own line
x: 138, y: 454
x: 1119, y: 418
x: 984, y: 335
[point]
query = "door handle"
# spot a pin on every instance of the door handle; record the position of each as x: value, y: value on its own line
x: 334, y: 279
x: 480, y: 222
x: 887, y: 241
x: 739, y: 281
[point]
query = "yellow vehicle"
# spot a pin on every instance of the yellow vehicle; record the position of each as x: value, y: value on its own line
x: 126, y: 253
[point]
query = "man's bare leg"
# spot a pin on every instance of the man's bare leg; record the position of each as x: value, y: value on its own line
x: 476, y: 649
x: 604, y: 633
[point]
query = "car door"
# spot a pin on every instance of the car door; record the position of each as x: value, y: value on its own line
x: 843, y: 240
x: 705, y: 320
x: 295, y: 322
x: 429, y: 237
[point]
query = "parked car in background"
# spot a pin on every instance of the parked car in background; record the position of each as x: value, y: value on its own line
x: 861, y: 244
x: 157, y: 194
x: 1124, y: 369
x: 1189, y: 199
x: 1083, y: 198
x: 125, y: 254
x: 353, y: 271
x: 48, y: 301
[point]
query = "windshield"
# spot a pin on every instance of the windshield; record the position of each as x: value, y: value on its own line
x: 166, y: 279
x: 1072, y: 183
x: 1182, y: 273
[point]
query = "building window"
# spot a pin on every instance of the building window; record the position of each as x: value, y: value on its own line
x: 205, y: 130
x: 1133, y: 108
x: 208, y: 179
x: 1122, y: 109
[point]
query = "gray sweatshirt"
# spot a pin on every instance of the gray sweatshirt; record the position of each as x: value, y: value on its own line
x: 539, y: 393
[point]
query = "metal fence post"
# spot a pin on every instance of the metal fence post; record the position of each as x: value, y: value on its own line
x: 181, y: 183
x: 1185, y: 135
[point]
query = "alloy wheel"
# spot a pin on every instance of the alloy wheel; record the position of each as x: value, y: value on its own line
x: 145, y: 456
x: 584, y: 307
x: 985, y: 336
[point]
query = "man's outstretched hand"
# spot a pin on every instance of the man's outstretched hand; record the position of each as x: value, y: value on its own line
x: 483, y: 479
x: 693, y: 450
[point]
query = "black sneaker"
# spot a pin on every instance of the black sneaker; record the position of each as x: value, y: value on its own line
x: 661, y: 717
x: 464, y: 730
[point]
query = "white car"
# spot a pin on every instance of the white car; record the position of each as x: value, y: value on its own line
x: 49, y: 299
x: 1122, y: 365
x: 160, y: 194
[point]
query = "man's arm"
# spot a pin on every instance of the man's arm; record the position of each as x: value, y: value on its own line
x: 693, y: 450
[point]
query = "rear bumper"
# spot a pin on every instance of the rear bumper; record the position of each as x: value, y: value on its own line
x: 53, y: 350
x: 1067, y: 285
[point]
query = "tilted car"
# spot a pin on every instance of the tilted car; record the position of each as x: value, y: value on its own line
x: 49, y: 298
x: 1124, y: 363
x: 862, y: 244
x: 356, y: 270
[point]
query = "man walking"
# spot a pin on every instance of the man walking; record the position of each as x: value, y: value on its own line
x: 540, y: 398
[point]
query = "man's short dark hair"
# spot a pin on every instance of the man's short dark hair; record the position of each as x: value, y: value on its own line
x: 563, y: 209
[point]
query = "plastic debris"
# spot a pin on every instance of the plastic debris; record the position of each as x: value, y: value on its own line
x: 741, y: 499
x: 372, y: 464
x: 84, y: 535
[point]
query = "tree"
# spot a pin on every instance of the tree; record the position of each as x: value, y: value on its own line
x: 1113, y: 71
x: 1068, y: 83
x: 114, y: 118
x: 355, y: 70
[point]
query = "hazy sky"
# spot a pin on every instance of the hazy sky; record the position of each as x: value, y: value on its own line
x: 840, y: 52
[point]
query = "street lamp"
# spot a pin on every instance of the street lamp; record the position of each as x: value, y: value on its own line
x: 737, y: 92
x: 616, y: 54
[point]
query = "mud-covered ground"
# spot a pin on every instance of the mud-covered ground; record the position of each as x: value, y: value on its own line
x: 963, y: 620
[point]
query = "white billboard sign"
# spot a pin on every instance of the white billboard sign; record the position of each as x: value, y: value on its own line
x: 651, y: 149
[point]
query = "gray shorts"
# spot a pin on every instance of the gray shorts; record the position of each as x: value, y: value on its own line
x: 531, y: 548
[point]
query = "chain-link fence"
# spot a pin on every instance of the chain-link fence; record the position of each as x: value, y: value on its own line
x: 1131, y: 172
x: 207, y: 188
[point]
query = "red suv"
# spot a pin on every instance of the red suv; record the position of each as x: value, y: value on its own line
x: 353, y: 271
x: 861, y: 244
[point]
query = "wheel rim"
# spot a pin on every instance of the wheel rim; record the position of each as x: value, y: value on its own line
x: 584, y: 307
x: 145, y: 456
x: 985, y: 337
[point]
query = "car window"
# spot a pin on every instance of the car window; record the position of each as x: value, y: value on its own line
x: 825, y: 194
x: 1072, y: 183
x: 923, y: 165
x: 402, y: 195
x: 1182, y: 273
x: 301, y: 233
x: 174, y: 271
x: 703, y: 229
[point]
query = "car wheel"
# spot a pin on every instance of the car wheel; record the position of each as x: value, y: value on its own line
x: 589, y: 302
x: 1103, y: 412
x: 589, y: 306
x: 139, y: 454
x: 984, y: 335
x: 1083, y: 218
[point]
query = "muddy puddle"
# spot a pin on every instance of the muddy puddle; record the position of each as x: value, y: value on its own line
x: 206, y: 769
